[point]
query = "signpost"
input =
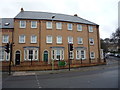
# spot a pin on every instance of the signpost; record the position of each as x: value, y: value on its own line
x: 62, y: 63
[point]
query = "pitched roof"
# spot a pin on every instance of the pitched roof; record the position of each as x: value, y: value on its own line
x: 6, y: 23
x: 48, y: 16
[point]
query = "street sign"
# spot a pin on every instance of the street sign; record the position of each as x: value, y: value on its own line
x: 62, y: 63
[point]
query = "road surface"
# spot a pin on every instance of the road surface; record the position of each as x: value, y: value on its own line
x: 105, y: 76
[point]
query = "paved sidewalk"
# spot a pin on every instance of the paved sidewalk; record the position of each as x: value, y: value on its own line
x: 110, y: 63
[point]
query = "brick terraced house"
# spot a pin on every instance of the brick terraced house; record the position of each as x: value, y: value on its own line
x: 41, y: 37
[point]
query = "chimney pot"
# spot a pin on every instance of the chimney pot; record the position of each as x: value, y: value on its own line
x: 22, y: 9
x: 75, y: 15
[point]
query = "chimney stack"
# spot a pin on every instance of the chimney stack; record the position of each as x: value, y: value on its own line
x: 22, y: 9
x: 76, y: 15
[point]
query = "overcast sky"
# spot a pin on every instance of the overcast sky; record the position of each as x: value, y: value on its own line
x: 102, y: 12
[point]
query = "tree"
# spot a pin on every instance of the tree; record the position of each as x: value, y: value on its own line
x: 116, y: 38
x: 104, y: 45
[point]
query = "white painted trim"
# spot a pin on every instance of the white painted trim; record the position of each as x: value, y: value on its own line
x: 70, y: 29
x: 91, y: 43
x: 78, y: 28
x: 57, y: 39
x: 43, y: 55
x: 31, y: 37
x: 15, y: 55
x: 20, y: 24
x: 32, y: 23
x: 47, y: 25
x: 90, y: 30
x: 3, y: 37
x: 78, y: 40
x: 24, y: 38
x: 94, y: 55
x: 57, y: 26
x: 47, y: 39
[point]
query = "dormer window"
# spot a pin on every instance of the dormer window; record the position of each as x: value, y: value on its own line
x: 6, y: 24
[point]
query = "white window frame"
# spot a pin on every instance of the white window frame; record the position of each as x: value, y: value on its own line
x: 5, y: 38
x: 33, y: 24
x: 36, y: 54
x: 55, y: 54
x: 80, y: 40
x: 34, y: 40
x: 49, y: 25
x: 92, y: 55
x: 59, y: 25
x: 62, y: 54
x: 84, y: 55
x: 79, y: 27
x: 90, y: 28
x: 70, y: 41
x: 21, y: 24
x: 23, y: 39
x: 59, y: 40
x: 78, y: 54
x: 53, y: 57
x: 26, y: 54
x: 91, y: 40
x: 2, y: 55
x: 30, y: 55
x: 47, y: 38
x: 101, y: 54
x: 70, y: 26
x: 58, y: 54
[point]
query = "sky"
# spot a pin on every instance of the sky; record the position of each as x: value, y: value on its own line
x: 102, y: 12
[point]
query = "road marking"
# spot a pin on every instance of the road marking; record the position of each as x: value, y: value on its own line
x: 37, y: 82
x: 22, y: 73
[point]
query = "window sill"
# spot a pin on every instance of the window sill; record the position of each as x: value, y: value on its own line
x: 91, y: 44
x: 79, y: 31
x: 29, y: 60
x: 59, y: 43
x: 91, y: 32
x: 21, y: 43
x: 49, y: 43
x: 80, y: 43
x: 33, y: 27
x: 58, y: 29
x: 4, y: 42
x: 33, y: 43
x: 22, y: 27
x: 48, y: 28
x: 80, y: 59
x: 70, y: 30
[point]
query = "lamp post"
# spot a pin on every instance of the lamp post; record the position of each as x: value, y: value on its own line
x: 53, y: 16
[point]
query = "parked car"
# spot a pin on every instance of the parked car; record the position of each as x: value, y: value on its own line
x: 118, y: 55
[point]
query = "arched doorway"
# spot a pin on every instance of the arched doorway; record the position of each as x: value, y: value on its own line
x: 45, y: 56
x: 17, y: 58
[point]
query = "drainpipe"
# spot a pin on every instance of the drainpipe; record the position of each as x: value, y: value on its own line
x: 88, y: 45
x: 99, y: 58
x: 40, y: 28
